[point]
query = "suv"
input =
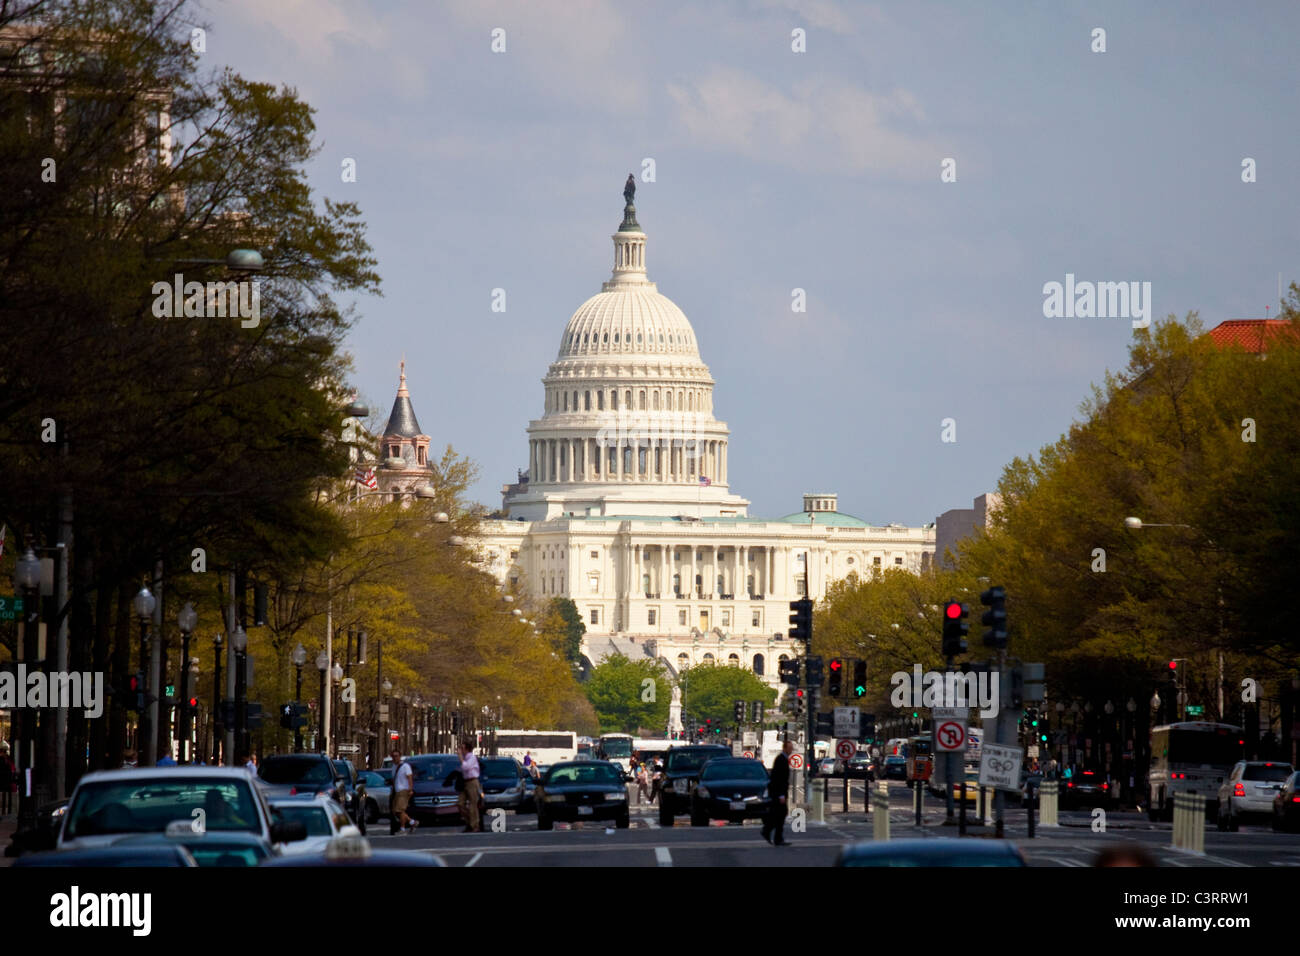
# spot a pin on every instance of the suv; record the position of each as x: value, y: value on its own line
x: 291, y: 775
x: 1250, y: 789
x: 681, y: 774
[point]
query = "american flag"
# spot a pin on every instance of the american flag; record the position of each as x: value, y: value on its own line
x: 367, y: 478
x: 705, y: 480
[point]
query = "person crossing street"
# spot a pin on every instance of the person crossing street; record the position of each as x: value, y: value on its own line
x: 779, y: 786
x: 403, y: 788
x: 471, y: 795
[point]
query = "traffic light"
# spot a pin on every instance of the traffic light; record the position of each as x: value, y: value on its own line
x: 813, y: 671
x: 801, y: 620
x: 859, y: 678
x: 135, y: 699
x: 1017, y: 688
x: 995, y: 599
x: 259, y: 605
x: 955, y: 628
x: 835, y: 685
x: 798, y: 701
x: 194, y: 703
x: 789, y: 672
x: 287, y: 713
x: 756, y: 711
x: 739, y: 710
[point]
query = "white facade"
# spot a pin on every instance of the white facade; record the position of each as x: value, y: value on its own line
x: 614, y: 515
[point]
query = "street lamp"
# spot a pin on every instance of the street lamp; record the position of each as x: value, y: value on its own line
x: 239, y: 641
x: 27, y: 579
x: 322, y: 665
x: 441, y: 517
x: 299, y: 657
x: 217, y: 641
x: 187, y: 619
x: 144, y: 604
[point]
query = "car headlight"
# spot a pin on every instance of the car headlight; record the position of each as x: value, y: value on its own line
x: 616, y: 796
x: 702, y: 790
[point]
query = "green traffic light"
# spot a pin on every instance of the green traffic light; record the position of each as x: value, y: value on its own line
x: 913, y: 714
x: 1043, y: 737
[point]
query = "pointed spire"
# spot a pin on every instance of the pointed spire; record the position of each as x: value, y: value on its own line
x: 401, y: 385
x: 402, y: 420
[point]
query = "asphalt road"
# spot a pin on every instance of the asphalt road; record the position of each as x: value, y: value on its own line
x: 1073, y: 844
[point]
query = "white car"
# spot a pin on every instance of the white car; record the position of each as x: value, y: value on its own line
x: 320, y: 814
x: 1250, y: 789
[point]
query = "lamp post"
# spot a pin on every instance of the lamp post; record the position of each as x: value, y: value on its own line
x: 186, y: 619
x: 239, y: 640
x: 336, y: 672
x: 27, y: 580
x: 217, y: 728
x: 193, y: 711
x: 299, y: 657
x: 143, y: 604
x: 322, y: 665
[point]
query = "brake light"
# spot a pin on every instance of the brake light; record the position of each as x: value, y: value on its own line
x: 1105, y: 786
x: 293, y: 791
x: 1069, y: 784
x: 1239, y: 790
x: 1295, y: 799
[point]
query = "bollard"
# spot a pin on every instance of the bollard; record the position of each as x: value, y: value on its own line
x: 988, y: 806
x: 1189, y: 822
x: 818, y: 805
x: 1179, y: 822
x: 1048, y: 804
x: 961, y: 812
x: 880, y: 812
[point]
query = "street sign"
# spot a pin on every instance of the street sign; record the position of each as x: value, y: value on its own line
x: 950, y: 735
x: 349, y: 748
x: 796, y: 761
x: 749, y: 754
x: 10, y: 607
x: 1000, y: 766
x: 844, y: 749
x: 1195, y: 710
x: 846, y: 721
x: 749, y: 738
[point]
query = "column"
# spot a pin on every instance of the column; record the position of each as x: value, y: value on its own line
x: 742, y: 575
x: 618, y: 458
x: 665, y: 571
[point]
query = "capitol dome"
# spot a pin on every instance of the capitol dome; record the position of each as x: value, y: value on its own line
x: 627, y: 322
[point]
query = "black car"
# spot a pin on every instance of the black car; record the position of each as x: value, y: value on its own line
x: 861, y: 766
x: 1087, y: 789
x: 502, y: 780
x: 435, y: 796
x: 44, y: 835
x: 114, y: 855
x: 730, y: 788
x: 1286, y: 805
x: 354, y: 791
x: 291, y: 775
x: 582, y: 790
x: 681, y: 773
x: 894, y: 768
x: 215, y: 848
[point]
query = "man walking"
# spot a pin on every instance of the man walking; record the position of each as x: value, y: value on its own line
x: 779, y: 787
x: 472, y: 792
x: 403, y: 788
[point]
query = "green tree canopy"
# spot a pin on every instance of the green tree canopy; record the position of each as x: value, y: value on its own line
x: 623, y: 702
x: 710, y: 691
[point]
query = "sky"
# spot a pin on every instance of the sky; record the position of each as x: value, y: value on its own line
x: 775, y: 170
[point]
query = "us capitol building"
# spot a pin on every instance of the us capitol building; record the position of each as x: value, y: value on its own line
x: 627, y: 508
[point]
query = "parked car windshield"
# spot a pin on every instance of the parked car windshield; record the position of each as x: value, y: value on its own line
x: 147, y: 806
x: 288, y: 769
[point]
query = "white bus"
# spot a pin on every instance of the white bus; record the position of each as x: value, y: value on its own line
x: 1190, y: 757
x: 546, y: 746
x: 616, y: 748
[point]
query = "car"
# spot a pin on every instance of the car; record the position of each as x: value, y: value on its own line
x: 291, y: 775
x: 1030, y: 784
x: 894, y: 768
x: 730, y: 788
x: 861, y: 766
x: 681, y: 773
x: 354, y: 792
x: 1086, y: 788
x: 826, y: 766
x: 940, y: 851
x: 379, y: 793
x: 355, y: 850
x: 972, y: 781
x: 323, y: 817
x: 1249, y: 789
x: 212, y: 848
x: 42, y: 836
x: 110, y: 804
x: 582, y: 790
x: 502, y: 780
x: 112, y: 855
x: 434, y: 797
x: 1286, y: 805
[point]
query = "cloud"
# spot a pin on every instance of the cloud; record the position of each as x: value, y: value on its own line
x: 821, y: 125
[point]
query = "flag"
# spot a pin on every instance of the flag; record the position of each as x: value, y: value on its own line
x: 705, y: 480
x: 367, y: 478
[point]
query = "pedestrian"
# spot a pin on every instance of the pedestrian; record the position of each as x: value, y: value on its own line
x: 128, y: 759
x: 642, y: 784
x: 167, y: 760
x: 779, y: 787
x: 530, y: 764
x: 472, y: 794
x: 8, y: 780
x: 403, y: 789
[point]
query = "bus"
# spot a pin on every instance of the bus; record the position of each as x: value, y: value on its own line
x: 586, y: 748
x: 546, y: 746
x: 1193, y: 756
x: 616, y: 748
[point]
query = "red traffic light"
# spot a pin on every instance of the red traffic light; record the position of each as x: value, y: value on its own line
x: 1173, y: 665
x: 194, y: 702
x: 836, y: 664
x: 953, y: 610
x: 799, y: 692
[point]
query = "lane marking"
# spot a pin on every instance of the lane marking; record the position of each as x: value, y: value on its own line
x: 663, y: 856
x: 477, y: 856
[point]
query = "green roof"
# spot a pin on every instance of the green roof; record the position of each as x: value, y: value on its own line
x: 831, y: 519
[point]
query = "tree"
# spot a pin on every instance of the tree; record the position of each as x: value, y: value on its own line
x: 709, y: 691
x: 574, y: 627
x: 622, y: 698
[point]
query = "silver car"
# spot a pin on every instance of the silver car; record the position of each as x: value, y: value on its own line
x: 379, y: 794
x: 1249, y: 790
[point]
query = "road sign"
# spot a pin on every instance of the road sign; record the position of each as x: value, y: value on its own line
x: 846, y: 721
x: 10, y: 607
x: 1000, y: 766
x: 749, y: 738
x: 796, y: 761
x: 749, y: 754
x: 844, y: 749
x: 950, y: 735
x: 1195, y: 710
x: 349, y: 748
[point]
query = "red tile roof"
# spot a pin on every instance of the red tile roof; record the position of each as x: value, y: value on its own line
x: 1253, y: 335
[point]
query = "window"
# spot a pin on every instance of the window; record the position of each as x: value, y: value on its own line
x: 850, y: 560
x: 422, y: 457
x: 677, y: 589
x: 593, y: 583
x: 586, y: 401
x: 898, y: 560
x: 726, y: 619
x: 650, y: 617
x: 600, y: 401
x: 699, y: 582
x: 721, y: 589
x: 595, y: 555
x: 756, y: 619
x: 801, y: 558
x: 561, y: 582
x: 683, y: 662
x: 749, y: 584
x: 758, y: 664
x: 681, y: 618
x: 641, y: 400
x: 566, y: 401
x: 733, y: 660
x: 514, y: 582
x: 799, y: 587
x: 514, y: 555
x: 594, y: 615
x: 709, y: 658
x: 875, y: 562
x: 613, y: 400
x: 645, y: 583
